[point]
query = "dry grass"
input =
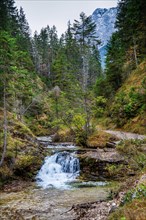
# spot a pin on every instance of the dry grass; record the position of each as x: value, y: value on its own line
x: 136, y: 210
x: 99, y: 139
x: 135, y: 79
x: 137, y: 124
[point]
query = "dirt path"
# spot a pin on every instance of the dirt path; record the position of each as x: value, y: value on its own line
x: 126, y: 135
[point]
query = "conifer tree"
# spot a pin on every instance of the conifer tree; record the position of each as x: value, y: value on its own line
x: 8, y: 16
x: 132, y: 27
x: 6, y: 54
x: 114, y: 63
x: 84, y: 31
x: 23, y: 36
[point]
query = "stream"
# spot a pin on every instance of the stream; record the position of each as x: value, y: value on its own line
x: 57, y: 188
x: 58, y: 170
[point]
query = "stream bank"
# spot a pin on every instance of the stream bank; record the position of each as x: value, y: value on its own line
x: 34, y: 202
x: 82, y: 201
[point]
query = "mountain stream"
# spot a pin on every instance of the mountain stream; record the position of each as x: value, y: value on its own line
x: 57, y: 188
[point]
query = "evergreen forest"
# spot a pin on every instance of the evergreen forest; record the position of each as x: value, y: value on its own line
x: 55, y: 86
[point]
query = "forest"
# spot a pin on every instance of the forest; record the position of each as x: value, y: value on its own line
x: 56, y: 86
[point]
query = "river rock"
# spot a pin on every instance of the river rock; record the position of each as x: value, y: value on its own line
x: 45, y: 139
x: 104, y: 155
x: 94, y: 164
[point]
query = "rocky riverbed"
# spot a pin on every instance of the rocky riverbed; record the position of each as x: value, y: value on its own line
x: 85, y: 199
x: 33, y: 202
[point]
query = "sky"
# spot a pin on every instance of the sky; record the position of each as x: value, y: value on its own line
x: 40, y: 13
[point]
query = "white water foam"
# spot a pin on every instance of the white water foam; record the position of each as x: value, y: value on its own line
x: 61, y: 146
x: 58, y: 170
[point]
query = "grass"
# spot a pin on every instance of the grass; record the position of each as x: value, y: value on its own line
x: 99, y: 139
x: 128, y: 109
x: 135, y: 210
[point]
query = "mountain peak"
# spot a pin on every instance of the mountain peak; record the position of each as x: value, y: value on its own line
x: 99, y: 12
x: 105, y: 25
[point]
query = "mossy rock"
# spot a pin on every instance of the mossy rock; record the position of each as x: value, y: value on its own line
x: 26, y: 165
x: 5, y: 173
x: 64, y: 135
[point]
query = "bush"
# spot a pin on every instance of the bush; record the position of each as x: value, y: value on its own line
x: 133, y: 153
x: 137, y: 193
x: 129, y: 105
x: 100, y: 105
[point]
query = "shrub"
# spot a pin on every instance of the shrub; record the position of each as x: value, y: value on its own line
x: 100, y: 104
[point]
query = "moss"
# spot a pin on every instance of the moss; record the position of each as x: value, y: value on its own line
x: 18, y: 129
x: 22, y: 152
x: 116, y: 170
x: 23, y: 129
x: 37, y: 128
x: 25, y: 165
x: 64, y: 134
x: 15, y: 143
x: 5, y: 172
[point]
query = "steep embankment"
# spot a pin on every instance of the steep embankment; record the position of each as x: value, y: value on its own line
x: 23, y: 154
x: 26, y: 100
x: 128, y: 110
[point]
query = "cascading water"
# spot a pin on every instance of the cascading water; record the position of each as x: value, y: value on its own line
x: 58, y: 170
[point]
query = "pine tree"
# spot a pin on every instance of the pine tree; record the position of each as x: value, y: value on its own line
x: 114, y: 63
x: 45, y: 47
x: 8, y: 16
x: 84, y: 31
x: 131, y: 24
x: 35, y: 52
x: 7, y: 47
x: 95, y: 70
x: 73, y: 53
x: 23, y: 36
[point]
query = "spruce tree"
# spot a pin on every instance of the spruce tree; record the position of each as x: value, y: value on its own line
x: 131, y: 24
x: 84, y: 31
x: 8, y: 16
x: 23, y: 36
x: 114, y: 63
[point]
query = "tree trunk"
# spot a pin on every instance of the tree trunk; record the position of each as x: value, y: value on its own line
x: 5, y: 127
x: 87, y: 112
x: 57, y: 112
x: 135, y: 53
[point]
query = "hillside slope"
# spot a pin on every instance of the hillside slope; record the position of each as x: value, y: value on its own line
x: 128, y: 110
x: 23, y: 154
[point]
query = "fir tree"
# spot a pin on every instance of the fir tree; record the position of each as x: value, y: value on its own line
x: 23, y: 36
x: 8, y: 16
x: 114, y: 63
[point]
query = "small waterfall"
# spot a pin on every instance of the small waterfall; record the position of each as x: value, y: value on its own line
x: 58, y: 170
